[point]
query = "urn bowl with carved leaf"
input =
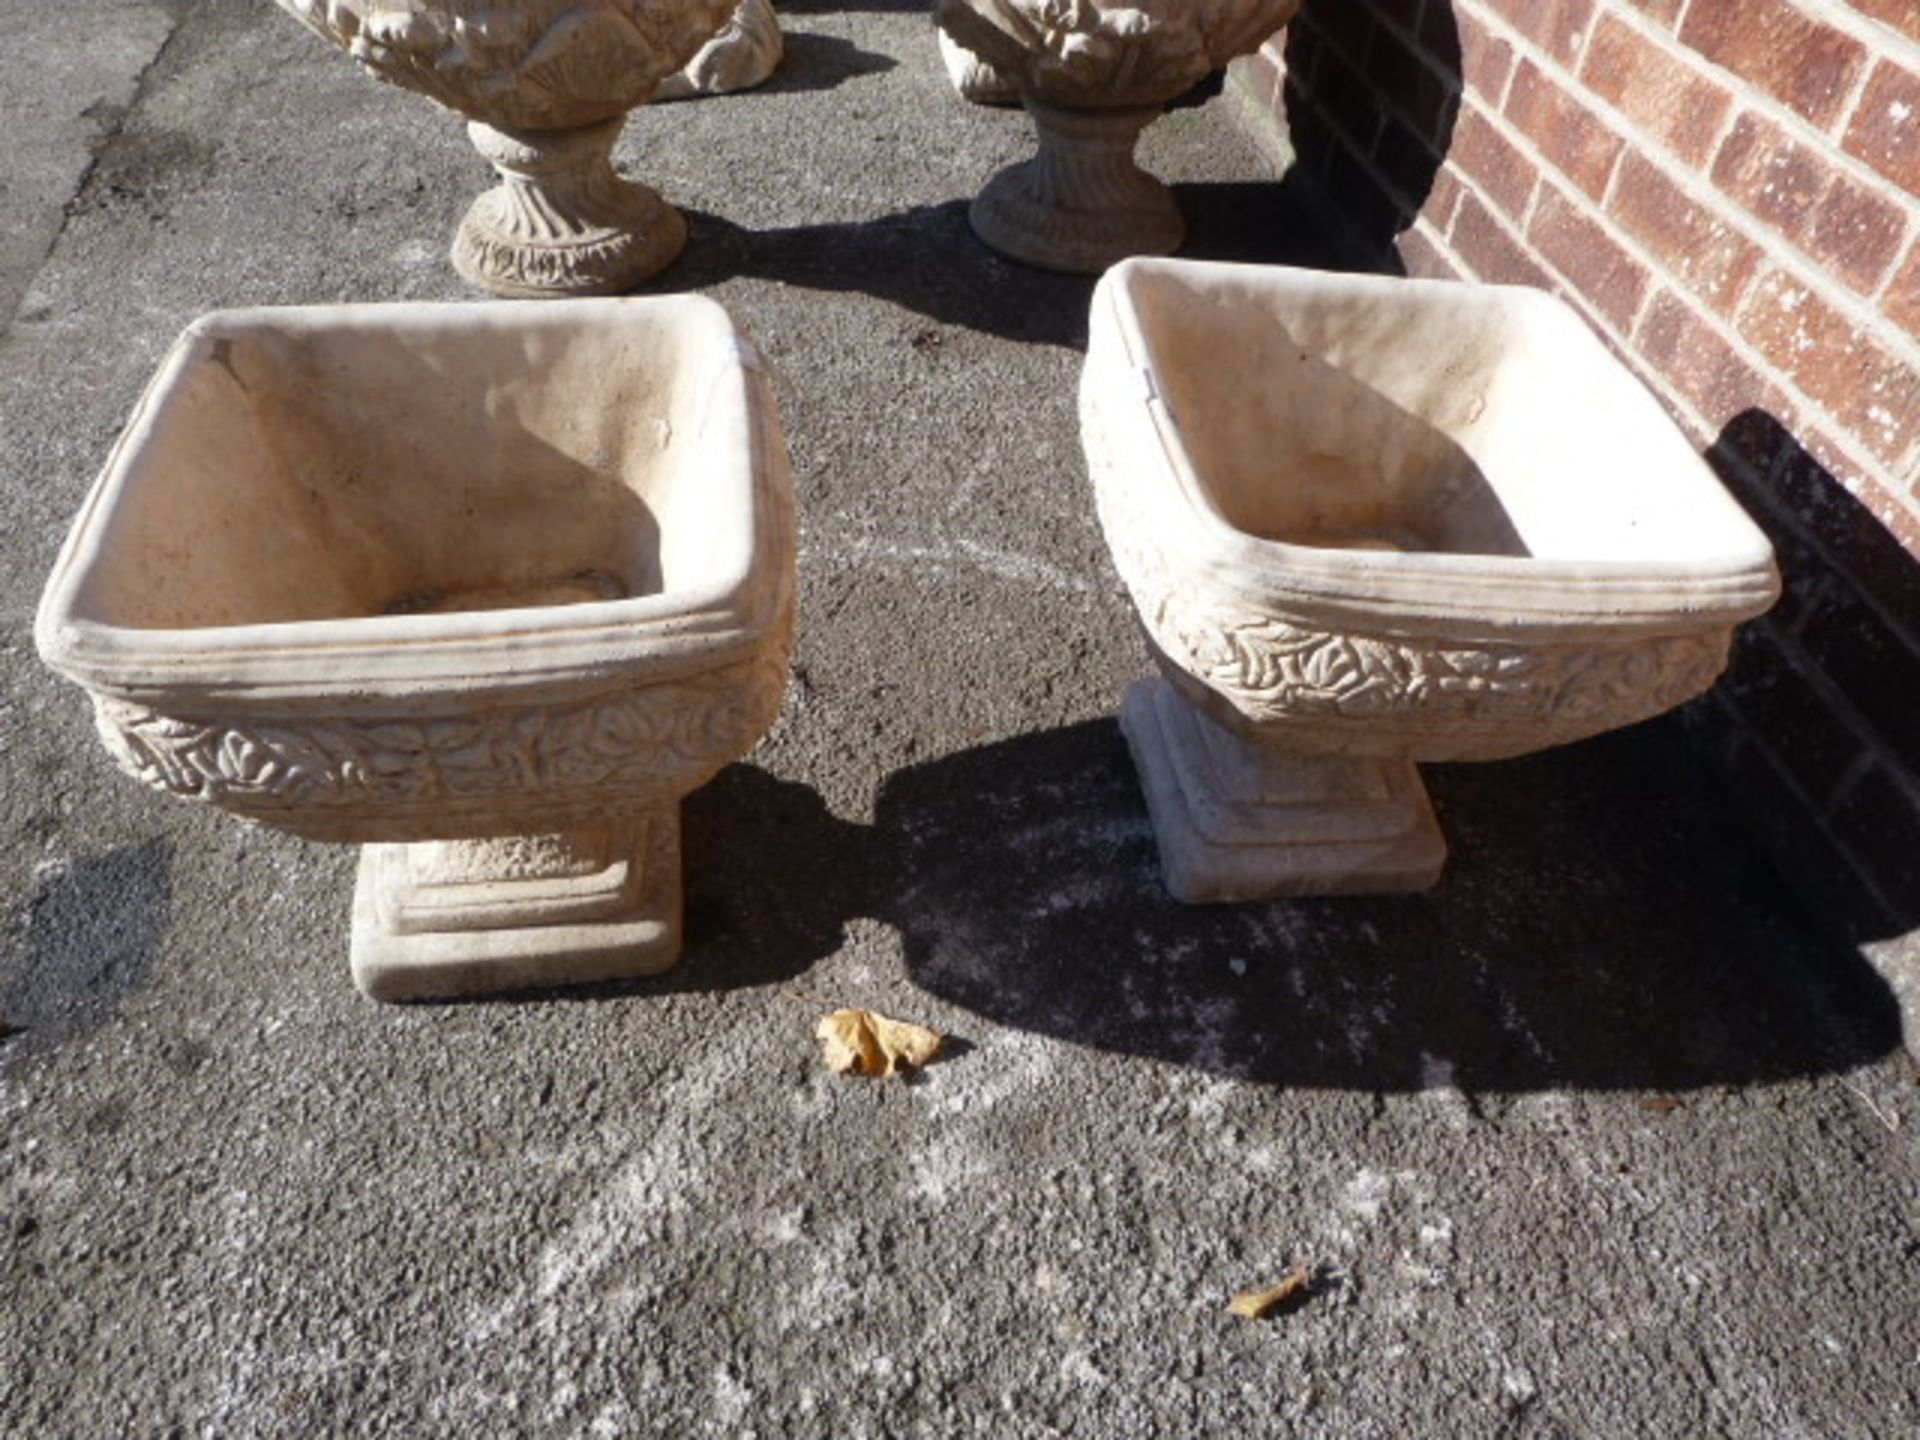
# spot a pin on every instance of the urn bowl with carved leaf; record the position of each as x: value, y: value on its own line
x: 545, y: 85
x: 406, y: 572
x: 1092, y: 74
x: 1435, y: 520
x: 1110, y: 54
x: 521, y: 64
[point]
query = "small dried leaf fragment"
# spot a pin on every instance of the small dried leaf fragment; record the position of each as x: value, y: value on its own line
x: 1254, y: 1304
x: 861, y: 1042
x: 1663, y: 1104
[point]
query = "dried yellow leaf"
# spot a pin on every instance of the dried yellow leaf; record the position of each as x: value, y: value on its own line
x: 1252, y: 1304
x: 861, y: 1042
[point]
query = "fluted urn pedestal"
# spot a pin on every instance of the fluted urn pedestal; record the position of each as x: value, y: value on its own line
x: 1410, y: 522
x: 485, y: 589
x: 546, y: 85
x: 1081, y: 203
x: 561, y: 221
x: 1092, y: 75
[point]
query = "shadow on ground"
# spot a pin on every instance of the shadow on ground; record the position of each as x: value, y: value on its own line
x: 820, y: 62
x: 1600, y: 925
x: 83, y: 941
x: 927, y: 259
x: 1848, y: 832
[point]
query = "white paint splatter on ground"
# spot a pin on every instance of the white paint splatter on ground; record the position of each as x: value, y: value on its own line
x: 732, y: 1398
x: 961, y: 555
x: 1439, y: 1088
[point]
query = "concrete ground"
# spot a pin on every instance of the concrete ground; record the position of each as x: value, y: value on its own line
x: 1601, y: 1137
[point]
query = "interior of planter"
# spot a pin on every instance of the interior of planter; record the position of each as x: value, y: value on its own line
x: 314, y: 466
x: 1362, y: 413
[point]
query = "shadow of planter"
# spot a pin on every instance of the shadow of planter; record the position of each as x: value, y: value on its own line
x: 1601, y: 925
x: 84, y: 941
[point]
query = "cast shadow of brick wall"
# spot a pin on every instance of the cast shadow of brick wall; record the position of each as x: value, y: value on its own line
x: 1372, y: 92
x: 1817, y: 723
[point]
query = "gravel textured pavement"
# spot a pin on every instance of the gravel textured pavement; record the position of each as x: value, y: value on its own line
x: 1601, y: 1137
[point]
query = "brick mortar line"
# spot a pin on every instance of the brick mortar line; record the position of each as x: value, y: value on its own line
x: 1574, y: 296
x: 1904, y: 249
x: 1698, y: 187
x: 1857, y: 312
x: 1876, y: 35
x: 1361, y: 65
x: 1888, y: 477
x: 1824, y: 816
x: 1885, y: 479
x: 1866, y: 864
x: 1879, y: 37
x: 1760, y: 479
x: 1825, y: 812
x: 1744, y: 93
x: 1909, y: 256
x: 1850, y: 109
x: 1439, y: 240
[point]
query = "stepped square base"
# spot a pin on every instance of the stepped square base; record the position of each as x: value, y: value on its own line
x: 1239, y: 821
x: 443, y: 919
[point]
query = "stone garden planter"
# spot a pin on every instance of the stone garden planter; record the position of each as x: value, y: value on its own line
x: 545, y: 86
x: 1092, y: 74
x: 1411, y: 521
x: 483, y: 588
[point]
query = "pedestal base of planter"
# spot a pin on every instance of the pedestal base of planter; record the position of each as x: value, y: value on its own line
x: 441, y: 919
x: 1239, y: 821
x: 1081, y: 203
x: 561, y: 222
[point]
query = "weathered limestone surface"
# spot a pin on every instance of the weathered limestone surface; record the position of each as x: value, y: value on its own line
x: 974, y: 78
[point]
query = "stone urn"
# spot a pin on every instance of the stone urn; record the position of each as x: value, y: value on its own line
x: 484, y: 588
x: 1092, y: 74
x: 545, y: 86
x: 1412, y: 521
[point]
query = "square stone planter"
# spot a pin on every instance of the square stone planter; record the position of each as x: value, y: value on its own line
x: 1367, y: 522
x: 486, y: 588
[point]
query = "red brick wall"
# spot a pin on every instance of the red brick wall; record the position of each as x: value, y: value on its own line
x: 1729, y: 191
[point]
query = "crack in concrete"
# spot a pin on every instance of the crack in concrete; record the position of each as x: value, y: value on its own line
x: 114, y: 120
